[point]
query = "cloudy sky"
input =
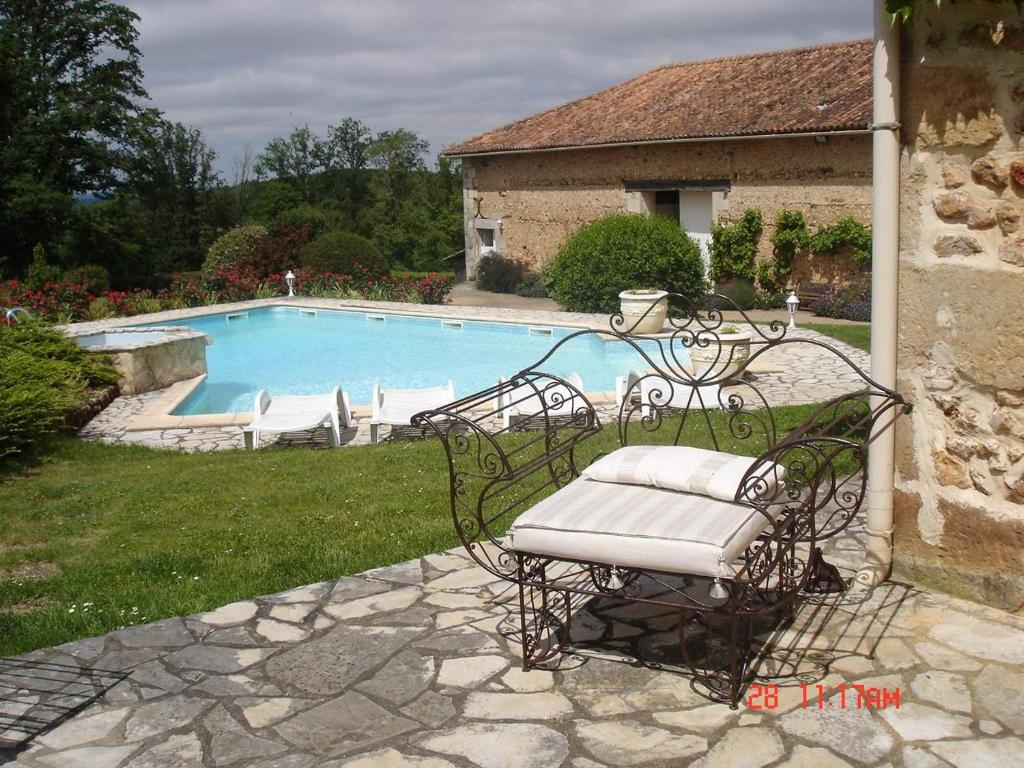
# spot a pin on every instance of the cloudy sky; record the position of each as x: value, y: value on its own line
x: 245, y: 71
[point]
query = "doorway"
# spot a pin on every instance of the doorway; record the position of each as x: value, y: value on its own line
x: 666, y: 203
x: 696, y: 214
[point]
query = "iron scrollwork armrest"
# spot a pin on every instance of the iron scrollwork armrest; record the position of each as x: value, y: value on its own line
x: 507, y: 447
x: 808, y: 488
x: 821, y: 477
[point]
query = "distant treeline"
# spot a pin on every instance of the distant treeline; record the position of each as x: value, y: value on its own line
x: 94, y: 177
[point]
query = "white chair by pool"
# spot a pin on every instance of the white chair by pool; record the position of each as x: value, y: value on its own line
x: 651, y: 389
x: 396, y: 407
x: 524, y: 400
x: 299, y: 413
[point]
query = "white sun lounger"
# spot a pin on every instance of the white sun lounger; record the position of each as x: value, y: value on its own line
x: 658, y: 391
x: 396, y: 407
x: 298, y: 413
x: 524, y: 400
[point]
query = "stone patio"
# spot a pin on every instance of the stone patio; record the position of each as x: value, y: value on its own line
x: 416, y: 665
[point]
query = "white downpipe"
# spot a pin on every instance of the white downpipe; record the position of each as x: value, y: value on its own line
x: 884, y: 280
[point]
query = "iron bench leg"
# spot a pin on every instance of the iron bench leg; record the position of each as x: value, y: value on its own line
x: 824, y: 577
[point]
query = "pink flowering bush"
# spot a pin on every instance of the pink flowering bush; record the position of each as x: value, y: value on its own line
x: 52, y: 301
x: 66, y: 303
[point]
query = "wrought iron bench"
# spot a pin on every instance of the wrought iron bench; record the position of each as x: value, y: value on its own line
x: 569, y: 511
x: 809, y: 293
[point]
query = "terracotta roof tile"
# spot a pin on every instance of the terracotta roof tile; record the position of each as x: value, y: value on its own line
x: 821, y: 89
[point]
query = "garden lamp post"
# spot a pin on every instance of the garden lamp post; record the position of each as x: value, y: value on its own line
x: 792, y: 303
x: 290, y: 279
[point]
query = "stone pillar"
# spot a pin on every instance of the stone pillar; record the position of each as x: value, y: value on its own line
x: 960, y: 456
x: 469, y: 208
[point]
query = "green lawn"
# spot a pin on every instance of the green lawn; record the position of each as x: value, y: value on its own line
x: 855, y: 335
x: 101, y: 536
x: 96, y: 537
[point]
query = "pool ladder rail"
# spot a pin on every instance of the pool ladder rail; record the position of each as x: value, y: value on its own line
x: 11, y: 315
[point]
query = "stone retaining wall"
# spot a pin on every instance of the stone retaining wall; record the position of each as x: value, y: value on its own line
x: 146, y: 365
x: 153, y: 367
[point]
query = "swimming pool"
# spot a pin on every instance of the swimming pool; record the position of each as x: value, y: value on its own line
x: 294, y: 350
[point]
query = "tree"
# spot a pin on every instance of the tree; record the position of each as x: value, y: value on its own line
x: 114, y: 233
x: 241, y: 167
x: 432, y: 216
x: 322, y: 170
x: 269, y: 199
x: 346, y: 145
x: 70, y: 83
x: 398, y: 151
x: 171, y: 175
x: 377, y: 186
x: 296, y: 158
x: 398, y: 155
x: 344, y: 183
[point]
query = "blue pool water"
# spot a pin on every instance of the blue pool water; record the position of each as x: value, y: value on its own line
x: 289, y: 350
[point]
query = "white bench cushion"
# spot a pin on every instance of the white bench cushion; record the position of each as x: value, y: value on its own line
x: 682, y: 468
x: 636, y: 526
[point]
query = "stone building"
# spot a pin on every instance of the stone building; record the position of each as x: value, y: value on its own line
x: 697, y: 142
x: 959, y: 513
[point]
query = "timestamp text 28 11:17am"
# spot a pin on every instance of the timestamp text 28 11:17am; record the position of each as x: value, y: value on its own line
x: 843, y: 696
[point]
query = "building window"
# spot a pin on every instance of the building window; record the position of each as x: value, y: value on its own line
x: 486, y: 236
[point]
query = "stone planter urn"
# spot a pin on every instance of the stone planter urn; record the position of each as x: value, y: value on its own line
x: 727, y: 350
x: 643, y: 311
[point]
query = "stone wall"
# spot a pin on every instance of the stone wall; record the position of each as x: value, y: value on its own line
x: 541, y: 198
x: 155, y: 366
x: 960, y: 488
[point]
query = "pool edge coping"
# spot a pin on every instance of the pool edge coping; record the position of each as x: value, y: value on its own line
x: 158, y: 415
x: 576, y: 320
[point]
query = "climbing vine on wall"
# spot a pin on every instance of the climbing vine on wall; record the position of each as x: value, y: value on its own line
x: 789, y: 238
x: 845, y: 233
x: 902, y: 10
x: 734, y: 247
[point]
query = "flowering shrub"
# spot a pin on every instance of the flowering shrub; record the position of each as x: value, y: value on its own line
x: 67, y: 303
x: 119, y: 303
x: 279, y: 251
x: 57, y: 301
x: 433, y: 289
x: 183, y: 292
x: 850, y: 303
x: 94, y: 277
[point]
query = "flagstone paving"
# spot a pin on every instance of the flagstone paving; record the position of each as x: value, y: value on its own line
x: 417, y: 666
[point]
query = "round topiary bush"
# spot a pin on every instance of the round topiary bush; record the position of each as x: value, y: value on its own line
x: 343, y: 253
x: 234, y: 247
x: 621, y: 252
x: 316, y: 220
